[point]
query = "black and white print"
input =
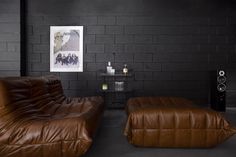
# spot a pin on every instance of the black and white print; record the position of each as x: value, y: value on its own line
x: 66, y: 48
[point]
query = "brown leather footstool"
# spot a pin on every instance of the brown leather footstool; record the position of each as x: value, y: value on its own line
x: 174, y: 122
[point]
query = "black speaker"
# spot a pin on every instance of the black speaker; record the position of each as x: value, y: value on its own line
x: 218, y: 90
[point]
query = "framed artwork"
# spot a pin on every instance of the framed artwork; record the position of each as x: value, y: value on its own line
x: 66, y: 48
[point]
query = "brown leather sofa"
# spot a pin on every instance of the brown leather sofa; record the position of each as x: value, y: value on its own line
x: 37, y: 120
x: 174, y: 122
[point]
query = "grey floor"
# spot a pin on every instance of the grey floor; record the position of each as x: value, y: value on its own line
x: 110, y: 142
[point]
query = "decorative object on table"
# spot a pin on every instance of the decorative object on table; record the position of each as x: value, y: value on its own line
x: 66, y: 48
x: 109, y: 67
x: 104, y: 86
x: 125, y: 69
x: 110, y: 70
x: 119, y: 85
x: 113, y: 71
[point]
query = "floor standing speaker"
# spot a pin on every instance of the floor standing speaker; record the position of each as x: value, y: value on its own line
x: 218, y: 90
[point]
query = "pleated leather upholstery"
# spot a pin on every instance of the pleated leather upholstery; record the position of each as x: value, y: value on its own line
x: 37, y: 120
x: 174, y: 122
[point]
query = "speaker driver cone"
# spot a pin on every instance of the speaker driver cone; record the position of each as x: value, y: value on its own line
x: 221, y: 79
x: 221, y: 73
x: 221, y: 87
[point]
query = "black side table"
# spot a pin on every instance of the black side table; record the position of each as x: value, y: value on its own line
x: 116, y: 94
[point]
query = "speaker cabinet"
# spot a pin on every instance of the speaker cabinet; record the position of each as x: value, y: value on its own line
x: 218, y: 90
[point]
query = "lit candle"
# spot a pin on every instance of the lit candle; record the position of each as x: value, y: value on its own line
x: 104, y: 86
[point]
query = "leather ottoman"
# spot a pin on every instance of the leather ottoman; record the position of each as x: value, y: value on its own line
x: 174, y: 122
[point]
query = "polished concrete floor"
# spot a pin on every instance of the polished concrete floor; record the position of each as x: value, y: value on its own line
x: 110, y: 142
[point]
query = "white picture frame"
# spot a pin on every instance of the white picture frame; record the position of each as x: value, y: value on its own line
x: 66, y: 48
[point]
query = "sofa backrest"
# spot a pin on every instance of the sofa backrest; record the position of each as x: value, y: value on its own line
x: 54, y: 87
x: 14, y: 90
x: 24, y: 98
x: 35, y: 91
x: 39, y: 95
x: 15, y: 101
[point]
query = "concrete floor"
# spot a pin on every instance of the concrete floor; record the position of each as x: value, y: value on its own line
x: 110, y: 142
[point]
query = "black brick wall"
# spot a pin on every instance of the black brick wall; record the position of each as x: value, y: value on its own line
x: 170, y: 45
x: 9, y: 38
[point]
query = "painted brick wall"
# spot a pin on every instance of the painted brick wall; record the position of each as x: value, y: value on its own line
x: 170, y: 45
x: 9, y: 38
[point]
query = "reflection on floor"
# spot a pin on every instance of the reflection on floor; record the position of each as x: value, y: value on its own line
x: 111, y: 142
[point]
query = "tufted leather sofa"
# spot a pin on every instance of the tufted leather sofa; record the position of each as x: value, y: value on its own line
x: 37, y: 120
x: 174, y: 122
